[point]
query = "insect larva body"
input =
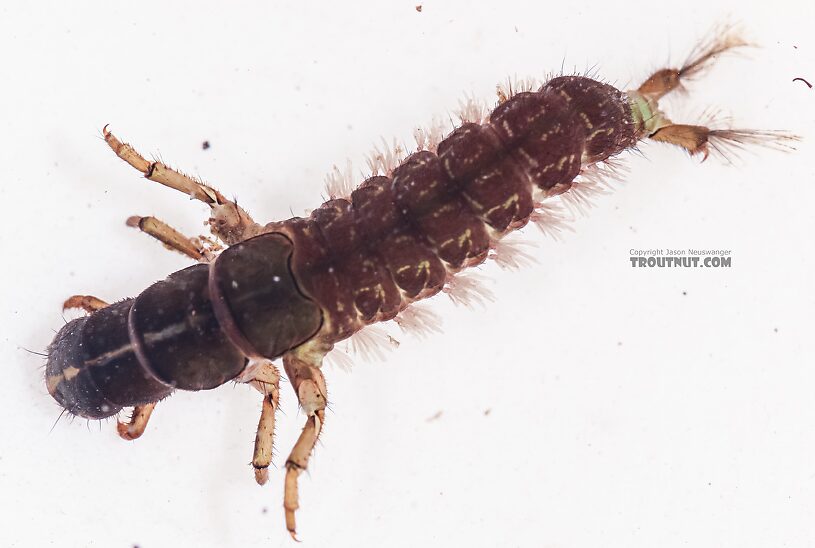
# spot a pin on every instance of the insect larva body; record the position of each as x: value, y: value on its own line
x: 352, y: 263
x: 294, y: 288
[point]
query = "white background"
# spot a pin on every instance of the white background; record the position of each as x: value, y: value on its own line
x: 626, y: 407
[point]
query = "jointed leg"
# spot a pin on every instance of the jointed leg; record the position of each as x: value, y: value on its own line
x: 229, y: 221
x: 170, y: 237
x: 309, y: 384
x: 88, y: 303
x: 266, y: 379
x: 134, y: 428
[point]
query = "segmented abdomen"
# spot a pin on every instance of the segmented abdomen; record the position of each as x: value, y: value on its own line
x: 398, y: 238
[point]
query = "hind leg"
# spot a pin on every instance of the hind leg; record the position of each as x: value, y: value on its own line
x: 229, y: 222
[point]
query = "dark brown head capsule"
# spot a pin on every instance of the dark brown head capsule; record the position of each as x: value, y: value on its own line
x: 92, y: 369
x: 192, y: 331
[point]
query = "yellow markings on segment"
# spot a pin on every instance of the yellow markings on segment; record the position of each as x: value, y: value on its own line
x: 586, y: 120
x: 510, y: 202
x: 52, y: 381
x: 465, y: 237
x: 473, y: 203
x: 609, y: 130
x: 528, y: 157
x: 447, y: 207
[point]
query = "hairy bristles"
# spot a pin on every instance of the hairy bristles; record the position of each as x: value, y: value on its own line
x: 515, y: 85
x: 418, y: 320
x: 718, y: 137
x: 551, y: 219
x: 728, y: 143
x: 367, y: 343
x: 429, y: 138
x: 580, y: 197
x: 722, y: 38
x: 510, y: 254
x: 339, y: 358
x: 606, y: 175
x: 370, y: 342
x: 340, y: 184
x: 471, y: 110
x: 420, y: 136
x: 383, y: 161
x: 594, y: 179
x: 468, y: 289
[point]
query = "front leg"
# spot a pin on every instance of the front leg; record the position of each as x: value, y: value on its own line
x: 134, y: 428
x: 228, y: 221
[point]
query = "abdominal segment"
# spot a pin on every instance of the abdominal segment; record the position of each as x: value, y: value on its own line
x: 399, y: 237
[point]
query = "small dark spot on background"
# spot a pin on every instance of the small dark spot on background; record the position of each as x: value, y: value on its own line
x: 804, y: 81
x: 205, y: 145
x: 419, y: 8
x: 264, y: 510
x: 487, y: 411
x: 684, y: 292
x: 775, y: 330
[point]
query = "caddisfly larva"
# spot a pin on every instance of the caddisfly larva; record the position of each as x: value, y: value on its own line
x: 292, y: 289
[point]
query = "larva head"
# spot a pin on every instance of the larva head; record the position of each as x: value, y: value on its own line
x: 93, y: 368
x: 257, y: 300
x: 67, y: 377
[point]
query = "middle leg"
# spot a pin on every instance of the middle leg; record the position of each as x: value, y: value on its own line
x: 309, y: 384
